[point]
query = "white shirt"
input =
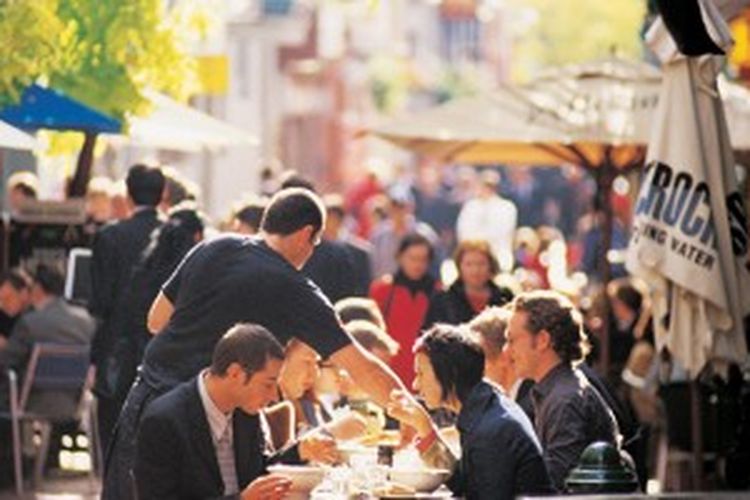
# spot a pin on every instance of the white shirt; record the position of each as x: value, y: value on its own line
x: 217, y: 420
x: 220, y: 423
x: 513, y: 392
x: 493, y: 219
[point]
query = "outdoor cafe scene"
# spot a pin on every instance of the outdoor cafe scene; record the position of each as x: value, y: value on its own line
x: 374, y: 249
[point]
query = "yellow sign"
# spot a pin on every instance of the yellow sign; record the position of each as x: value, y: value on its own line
x: 213, y: 74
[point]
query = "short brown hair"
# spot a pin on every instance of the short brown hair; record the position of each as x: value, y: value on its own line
x: 481, y: 246
x: 292, y: 209
x: 553, y: 312
x: 247, y: 344
x: 490, y: 326
x: 371, y: 337
x: 360, y: 308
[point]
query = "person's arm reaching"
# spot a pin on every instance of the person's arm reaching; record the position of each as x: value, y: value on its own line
x: 159, y: 314
x: 368, y: 372
x: 430, y: 444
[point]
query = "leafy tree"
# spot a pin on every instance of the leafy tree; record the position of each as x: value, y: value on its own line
x: 32, y: 43
x: 556, y: 32
x: 100, y: 52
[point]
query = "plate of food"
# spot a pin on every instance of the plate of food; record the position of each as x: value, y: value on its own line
x: 385, y: 437
x: 397, y: 491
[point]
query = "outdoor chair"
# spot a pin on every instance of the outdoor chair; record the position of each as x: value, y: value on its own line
x: 53, y: 371
x: 675, y: 449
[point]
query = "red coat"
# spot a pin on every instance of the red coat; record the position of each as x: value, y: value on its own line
x: 403, y: 318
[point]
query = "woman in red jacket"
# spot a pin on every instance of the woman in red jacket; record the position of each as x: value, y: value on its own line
x: 404, y: 299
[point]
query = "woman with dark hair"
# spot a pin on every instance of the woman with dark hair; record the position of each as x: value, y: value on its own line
x: 473, y: 290
x: 404, y: 298
x: 169, y: 244
x: 500, y: 454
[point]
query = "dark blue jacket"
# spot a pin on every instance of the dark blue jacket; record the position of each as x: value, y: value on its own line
x: 501, y: 457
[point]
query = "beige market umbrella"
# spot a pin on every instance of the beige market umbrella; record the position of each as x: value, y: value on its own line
x: 596, y: 115
x: 498, y: 127
x: 585, y: 115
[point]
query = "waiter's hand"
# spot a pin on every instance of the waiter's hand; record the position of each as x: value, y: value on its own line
x: 270, y: 487
x: 316, y: 447
x: 348, y: 426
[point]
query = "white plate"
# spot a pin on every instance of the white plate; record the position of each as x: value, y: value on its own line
x: 436, y: 495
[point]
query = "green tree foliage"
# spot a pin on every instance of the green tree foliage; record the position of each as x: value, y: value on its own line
x: 101, y: 52
x: 556, y: 32
x: 32, y: 44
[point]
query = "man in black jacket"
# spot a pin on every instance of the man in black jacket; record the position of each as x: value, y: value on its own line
x: 203, y: 438
x: 117, y: 248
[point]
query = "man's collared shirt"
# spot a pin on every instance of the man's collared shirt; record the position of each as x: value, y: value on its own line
x: 220, y: 424
x: 570, y: 415
x: 513, y: 392
x: 218, y: 421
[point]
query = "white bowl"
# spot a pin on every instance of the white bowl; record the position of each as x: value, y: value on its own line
x: 422, y: 480
x: 304, y: 477
x: 349, y: 450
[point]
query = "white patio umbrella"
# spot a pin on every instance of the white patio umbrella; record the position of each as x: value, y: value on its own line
x: 690, y: 238
x: 12, y: 138
x: 175, y: 126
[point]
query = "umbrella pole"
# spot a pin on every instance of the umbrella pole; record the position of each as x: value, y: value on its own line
x: 80, y: 180
x: 605, y: 178
x: 4, y: 222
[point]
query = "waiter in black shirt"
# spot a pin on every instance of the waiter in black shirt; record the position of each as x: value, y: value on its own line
x: 235, y: 279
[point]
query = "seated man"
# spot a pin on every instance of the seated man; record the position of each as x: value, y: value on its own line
x: 14, y: 300
x: 501, y: 457
x: 490, y: 327
x: 52, y: 320
x: 546, y: 342
x: 203, y: 439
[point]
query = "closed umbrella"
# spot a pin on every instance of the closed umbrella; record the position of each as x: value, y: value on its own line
x: 690, y: 239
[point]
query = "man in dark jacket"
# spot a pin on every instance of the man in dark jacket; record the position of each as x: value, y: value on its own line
x: 546, y: 342
x: 203, y: 439
x: 117, y: 248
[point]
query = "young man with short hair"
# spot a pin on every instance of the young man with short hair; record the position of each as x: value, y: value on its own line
x: 203, y: 438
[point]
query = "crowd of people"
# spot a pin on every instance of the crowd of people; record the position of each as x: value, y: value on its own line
x: 304, y: 319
